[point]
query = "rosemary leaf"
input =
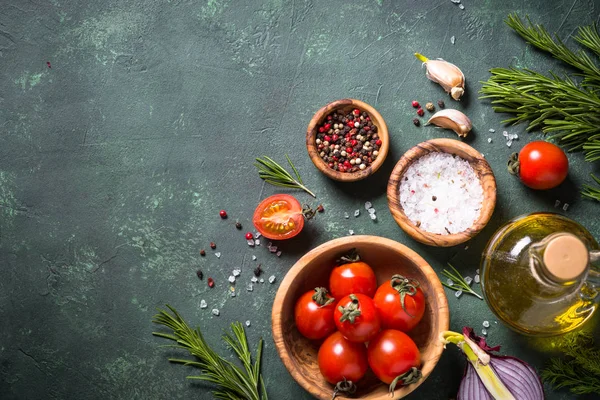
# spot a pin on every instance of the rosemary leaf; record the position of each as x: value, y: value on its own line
x: 592, y: 192
x: 275, y: 174
x: 458, y: 282
x: 233, y: 382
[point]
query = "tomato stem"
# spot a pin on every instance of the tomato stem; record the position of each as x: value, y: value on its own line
x: 351, y: 311
x: 346, y: 387
x: 408, y: 378
x: 321, y: 297
x: 513, y: 164
x: 404, y: 286
x: 351, y: 257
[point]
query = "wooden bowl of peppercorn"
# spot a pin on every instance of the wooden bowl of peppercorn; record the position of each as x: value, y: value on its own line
x: 483, y: 173
x: 386, y: 257
x: 347, y: 140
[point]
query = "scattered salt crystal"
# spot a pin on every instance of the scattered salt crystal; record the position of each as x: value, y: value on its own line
x: 461, y: 6
x: 505, y: 134
x: 250, y: 287
x: 350, y: 231
x: 356, y: 213
x: 557, y: 203
x: 254, y: 279
x: 509, y: 143
x: 458, y: 293
x: 477, y: 271
x: 250, y: 243
x: 215, y: 311
x: 492, y: 130
x: 484, y: 332
x: 467, y: 247
x: 469, y: 280
x: 516, y: 137
x: 371, y: 210
x: 218, y: 254
x: 346, y: 215
x: 248, y: 323
x: 489, y: 140
x: 203, y: 303
x: 278, y: 253
x: 476, y: 279
x: 257, y: 235
x: 368, y: 205
x: 261, y: 280
x: 257, y: 242
x: 442, y: 192
x: 273, y: 249
x: 373, y: 216
x: 236, y: 272
x: 565, y: 206
x: 272, y: 279
x: 233, y: 293
x: 486, y: 324
x: 253, y: 258
x: 449, y: 282
x: 231, y: 279
x: 452, y: 39
x: 455, y: 1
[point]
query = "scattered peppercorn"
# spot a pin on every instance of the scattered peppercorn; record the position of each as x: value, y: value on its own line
x: 199, y: 274
x: 429, y: 106
x: 441, y: 104
x: 415, y: 104
x: 249, y: 236
x: 211, y: 282
x: 434, y: 198
x: 202, y: 252
x: 420, y: 112
x: 258, y: 270
x: 416, y: 122
x: 223, y: 214
x: 320, y: 208
x: 213, y: 245
x: 238, y: 225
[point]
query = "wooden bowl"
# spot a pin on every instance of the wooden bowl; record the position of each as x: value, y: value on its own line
x: 346, y: 105
x: 482, y: 170
x: 387, y: 258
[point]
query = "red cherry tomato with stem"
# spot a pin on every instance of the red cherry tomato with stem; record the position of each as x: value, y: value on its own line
x: 394, y: 358
x: 340, y: 359
x: 353, y: 277
x: 540, y: 165
x: 400, y: 303
x: 314, y: 314
x: 356, y: 318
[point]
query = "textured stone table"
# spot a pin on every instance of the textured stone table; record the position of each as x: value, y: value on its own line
x: 127, y: 125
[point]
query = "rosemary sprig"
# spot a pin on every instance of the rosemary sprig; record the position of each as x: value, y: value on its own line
x: 592, y: 192
x: 458, y: 282
x: 233, y: 382
x: 275, y: 174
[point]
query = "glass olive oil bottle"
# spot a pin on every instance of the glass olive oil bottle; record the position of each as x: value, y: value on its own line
x: 540, y: 274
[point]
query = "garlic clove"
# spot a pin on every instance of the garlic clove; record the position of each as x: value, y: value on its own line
x: 452, y: 119
x: 446, y: 74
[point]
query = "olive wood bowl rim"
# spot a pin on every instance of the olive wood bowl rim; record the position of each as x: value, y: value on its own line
x: 313, y: 153
x: 442, y: 312
x: 481, y: 167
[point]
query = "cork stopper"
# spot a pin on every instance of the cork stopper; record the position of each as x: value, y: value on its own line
x: 566, y: 257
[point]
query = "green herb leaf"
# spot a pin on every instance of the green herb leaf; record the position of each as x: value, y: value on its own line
x: 458, y: 282
x: 276, y: 175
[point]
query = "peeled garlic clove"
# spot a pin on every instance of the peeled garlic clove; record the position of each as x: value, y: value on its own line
x: 448, y: 75
x: 452, y: 119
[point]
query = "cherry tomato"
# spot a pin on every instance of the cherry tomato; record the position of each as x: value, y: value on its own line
x: 314, y: 314
x: 400, y: 303
x: 542, y: 165
x: 393, y: 353
x: 356, y: 318
x: 341, y: 359
x: 279, y: 217
x: 353, y: 277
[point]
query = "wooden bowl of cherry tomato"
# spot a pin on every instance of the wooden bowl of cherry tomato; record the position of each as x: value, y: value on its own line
x: 319, y: 344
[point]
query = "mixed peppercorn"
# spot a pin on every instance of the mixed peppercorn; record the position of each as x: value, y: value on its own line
x: 348, y: 142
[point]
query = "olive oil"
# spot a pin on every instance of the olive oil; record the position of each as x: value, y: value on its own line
x: 537, y: 274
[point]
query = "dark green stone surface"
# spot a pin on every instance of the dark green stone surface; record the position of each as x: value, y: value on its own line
x: 115, y: 162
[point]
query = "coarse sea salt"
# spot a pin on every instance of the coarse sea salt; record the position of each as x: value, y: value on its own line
x: 441, y: 193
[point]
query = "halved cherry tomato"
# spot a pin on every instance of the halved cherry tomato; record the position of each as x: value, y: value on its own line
x: 279, y: 217
x: 356, y: 318
x: 314, y: 314
x: 340, y: 359
x: 393, y: 354
x: 353, y: 277
x: 400, y: 303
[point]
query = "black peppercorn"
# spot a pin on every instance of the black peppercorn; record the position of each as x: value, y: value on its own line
x: 416, y: 122
x: 441, y: 104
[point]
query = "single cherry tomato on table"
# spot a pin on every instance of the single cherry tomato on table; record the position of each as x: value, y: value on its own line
x: 279, y: 217
x: 356, y: 318
x: 314, y: 314
x: 340, y: 359
x: 540, y: 165
x: 394, y: 358
x: 352, y: 276
x: 400, y: 303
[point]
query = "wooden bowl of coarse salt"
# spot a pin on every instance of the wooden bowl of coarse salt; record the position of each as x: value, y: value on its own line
x: 442, y: 192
